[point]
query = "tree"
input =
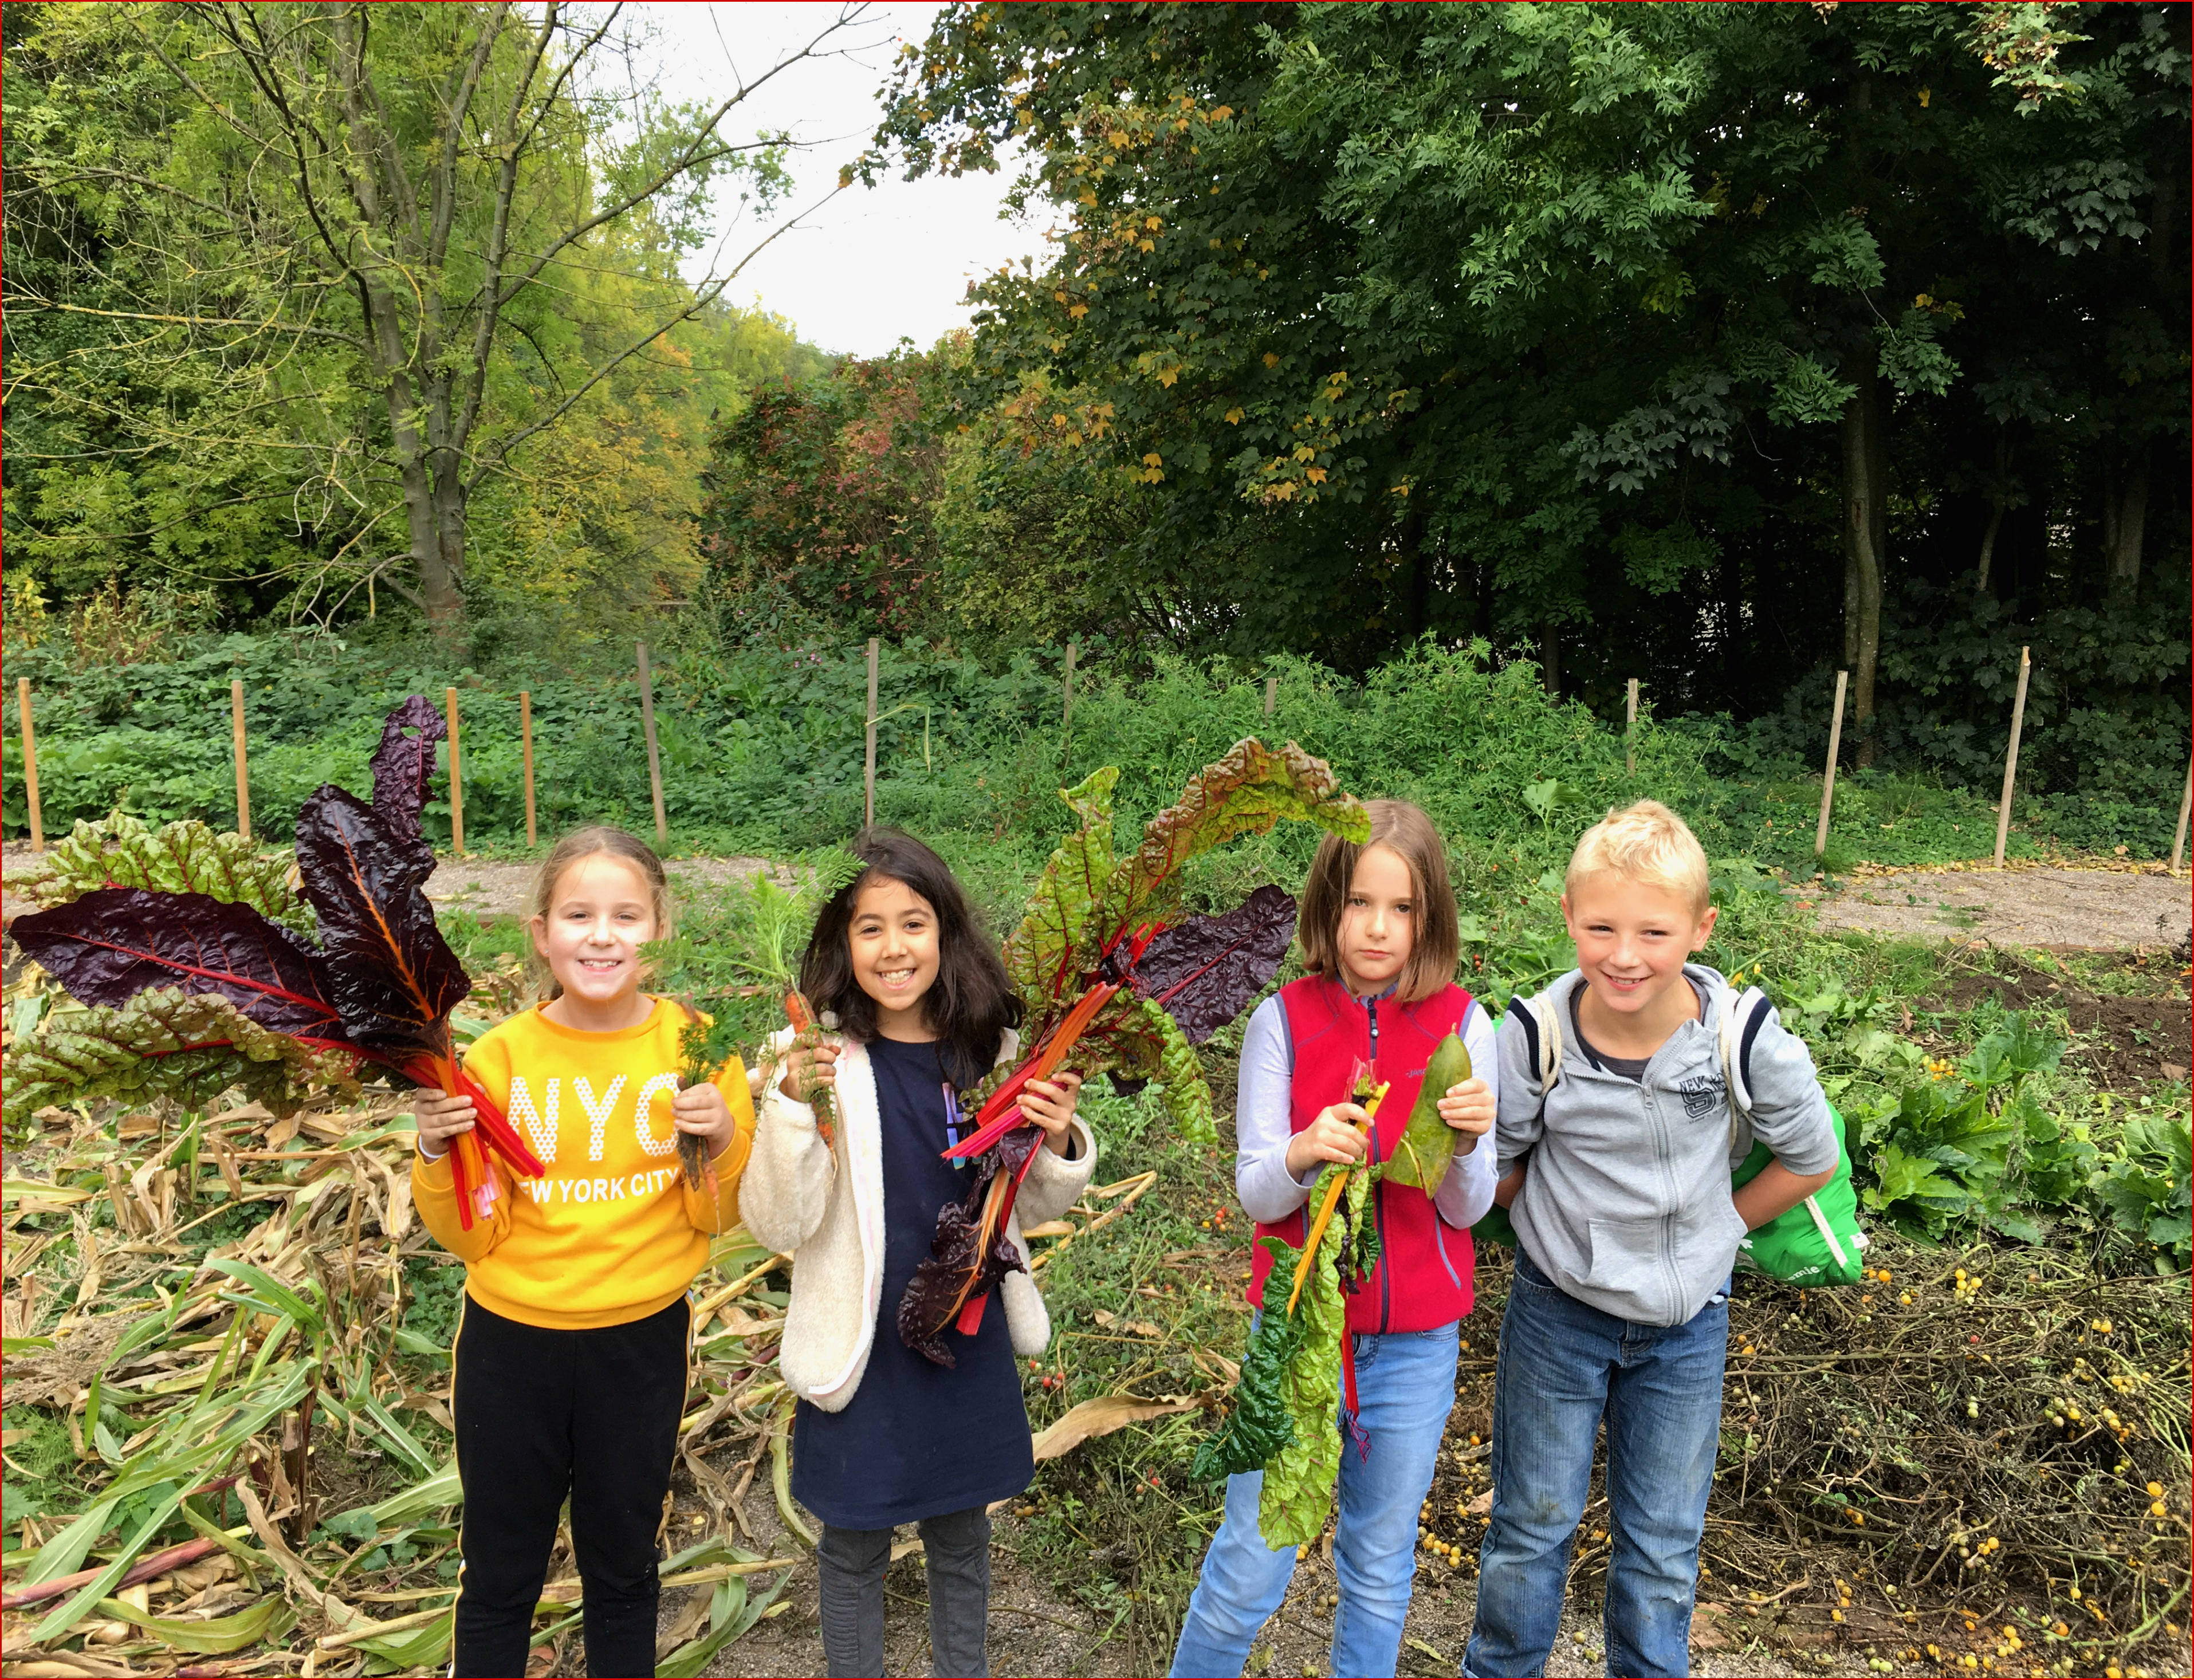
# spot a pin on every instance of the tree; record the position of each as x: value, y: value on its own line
x: 1527, y: 320
x: 357, y: 229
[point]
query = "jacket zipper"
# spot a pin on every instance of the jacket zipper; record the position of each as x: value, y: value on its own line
x: 1378, y: 1185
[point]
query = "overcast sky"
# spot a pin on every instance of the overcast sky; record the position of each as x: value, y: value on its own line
x: 874, y: 265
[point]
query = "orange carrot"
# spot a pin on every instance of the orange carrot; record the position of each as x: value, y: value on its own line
x: 1325, y: 1209
x: 803, y: 1022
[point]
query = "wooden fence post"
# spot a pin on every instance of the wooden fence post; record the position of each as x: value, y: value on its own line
x: 243, y: 778
x: 1272, y: 694
x: 869, y: 770
x: 654, y: 758
x: 2185, y: 808
x: 2011, y: 758
x: 30, y: 762
x: 1630, y: 731
x: 525, y: 740
x: 1066, y: 712
x: 456, y: 778
x: 1828, y: 777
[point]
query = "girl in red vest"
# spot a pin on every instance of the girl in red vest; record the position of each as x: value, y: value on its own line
x: 1379, y: 936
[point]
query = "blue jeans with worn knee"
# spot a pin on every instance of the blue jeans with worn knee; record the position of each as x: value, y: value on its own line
x: 1405, y: 1389
x: 1564, y: 1367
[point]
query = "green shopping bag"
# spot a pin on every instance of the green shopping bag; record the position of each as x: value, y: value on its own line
x: 1817, y: 1242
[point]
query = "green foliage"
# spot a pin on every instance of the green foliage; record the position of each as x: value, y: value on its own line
x: 184, y: 857
x: 2147, y: 1187
x: 1299, y: 1484
x: 1966, y: 1142
x: 1570, y: 375
x: 818, y: 501
x: 226, y: 370
x: 1259, y: 1426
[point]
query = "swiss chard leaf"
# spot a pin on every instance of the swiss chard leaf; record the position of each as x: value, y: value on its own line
x: 1202, y: 972
x: 1299, y: 1484
x: 969, y: 1253
x: 1260, y: 1427
x: 393, y: 978
x: 1043, y: 955
x: 1244, y: 792
x: 404, y: 764
x: 184, y: 857
x: 166, y: 1042
x: 107, y: 946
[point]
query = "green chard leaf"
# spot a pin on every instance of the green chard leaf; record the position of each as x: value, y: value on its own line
x: 1244, y: 792
x: 1299, y: 1484
x: 1259, y: 1426
x: 1423, y: 1152
x: 185, y: 856
x: 165, y: 1042
x: 1047, y: 951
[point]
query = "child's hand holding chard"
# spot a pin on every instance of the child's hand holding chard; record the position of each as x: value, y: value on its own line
x: 1336, y: 1135
x: 1469, y: 1107
x: 441, y: 1117
x: 1050, y: 1103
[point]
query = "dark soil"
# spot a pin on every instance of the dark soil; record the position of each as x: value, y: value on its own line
x: 2123, y: 1042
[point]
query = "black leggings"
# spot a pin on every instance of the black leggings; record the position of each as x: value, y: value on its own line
x: 541, y: 1413
x: 851, y: 1563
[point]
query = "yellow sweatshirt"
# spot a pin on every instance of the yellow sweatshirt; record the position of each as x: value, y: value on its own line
x: 610, y: 1232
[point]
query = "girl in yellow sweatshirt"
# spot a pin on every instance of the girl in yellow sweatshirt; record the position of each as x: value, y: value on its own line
x: 571, y: 1353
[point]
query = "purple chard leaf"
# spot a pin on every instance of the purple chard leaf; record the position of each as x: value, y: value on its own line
x: 1204, y: 970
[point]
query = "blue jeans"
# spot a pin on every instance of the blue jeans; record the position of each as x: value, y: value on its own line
x: 1564, y: 1366
x: 1405, y: 1389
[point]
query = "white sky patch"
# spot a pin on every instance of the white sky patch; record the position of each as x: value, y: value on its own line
x: 872, y: 265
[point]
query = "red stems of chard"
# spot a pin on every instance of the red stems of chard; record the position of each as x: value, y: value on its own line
x: 1001, y: 1113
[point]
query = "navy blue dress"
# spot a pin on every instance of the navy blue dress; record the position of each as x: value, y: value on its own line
x: 916, y: 1440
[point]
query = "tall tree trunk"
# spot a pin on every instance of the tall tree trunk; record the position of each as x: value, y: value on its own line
x: 1732, y: 582
x: 2125, y: 518
x: 1998, y: 493
x: 1864, y: 454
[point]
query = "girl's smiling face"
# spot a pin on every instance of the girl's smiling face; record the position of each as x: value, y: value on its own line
x: 1378, y: 922
x: 892, y: 941
x: 600, y: 913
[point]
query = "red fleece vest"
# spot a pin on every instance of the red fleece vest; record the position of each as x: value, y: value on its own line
x: 1422, y: 1278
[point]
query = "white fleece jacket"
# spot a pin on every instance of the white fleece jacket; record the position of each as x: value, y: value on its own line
x: 825, y: 1207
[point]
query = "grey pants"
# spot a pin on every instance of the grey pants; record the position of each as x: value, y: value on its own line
x: 850, y: 1564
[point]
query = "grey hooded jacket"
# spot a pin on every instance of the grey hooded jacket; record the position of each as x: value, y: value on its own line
x: 1626, y: 1203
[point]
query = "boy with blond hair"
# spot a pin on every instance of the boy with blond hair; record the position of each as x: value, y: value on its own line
x: 1615, y: 1147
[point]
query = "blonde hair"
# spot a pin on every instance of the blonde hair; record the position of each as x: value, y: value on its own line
x: 1646, y: 843
x: 576, y: 847
x: 1436, y: 942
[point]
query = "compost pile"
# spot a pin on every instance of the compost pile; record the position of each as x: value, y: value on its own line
x: 1976, y: 1453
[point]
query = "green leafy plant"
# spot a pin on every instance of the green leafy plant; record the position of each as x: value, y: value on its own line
x: 1963, y: 1142
x: 1546, y: 798
x: 2147, y: 1190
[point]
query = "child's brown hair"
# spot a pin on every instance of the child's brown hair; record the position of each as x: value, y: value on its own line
x: 1435, y: 942
x: 582, y: 843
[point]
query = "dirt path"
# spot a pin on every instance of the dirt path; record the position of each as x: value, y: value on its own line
x: 484, y: 886
x: 489, y: 889
x: 2127, y: 907
x: 1034, y: 1630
